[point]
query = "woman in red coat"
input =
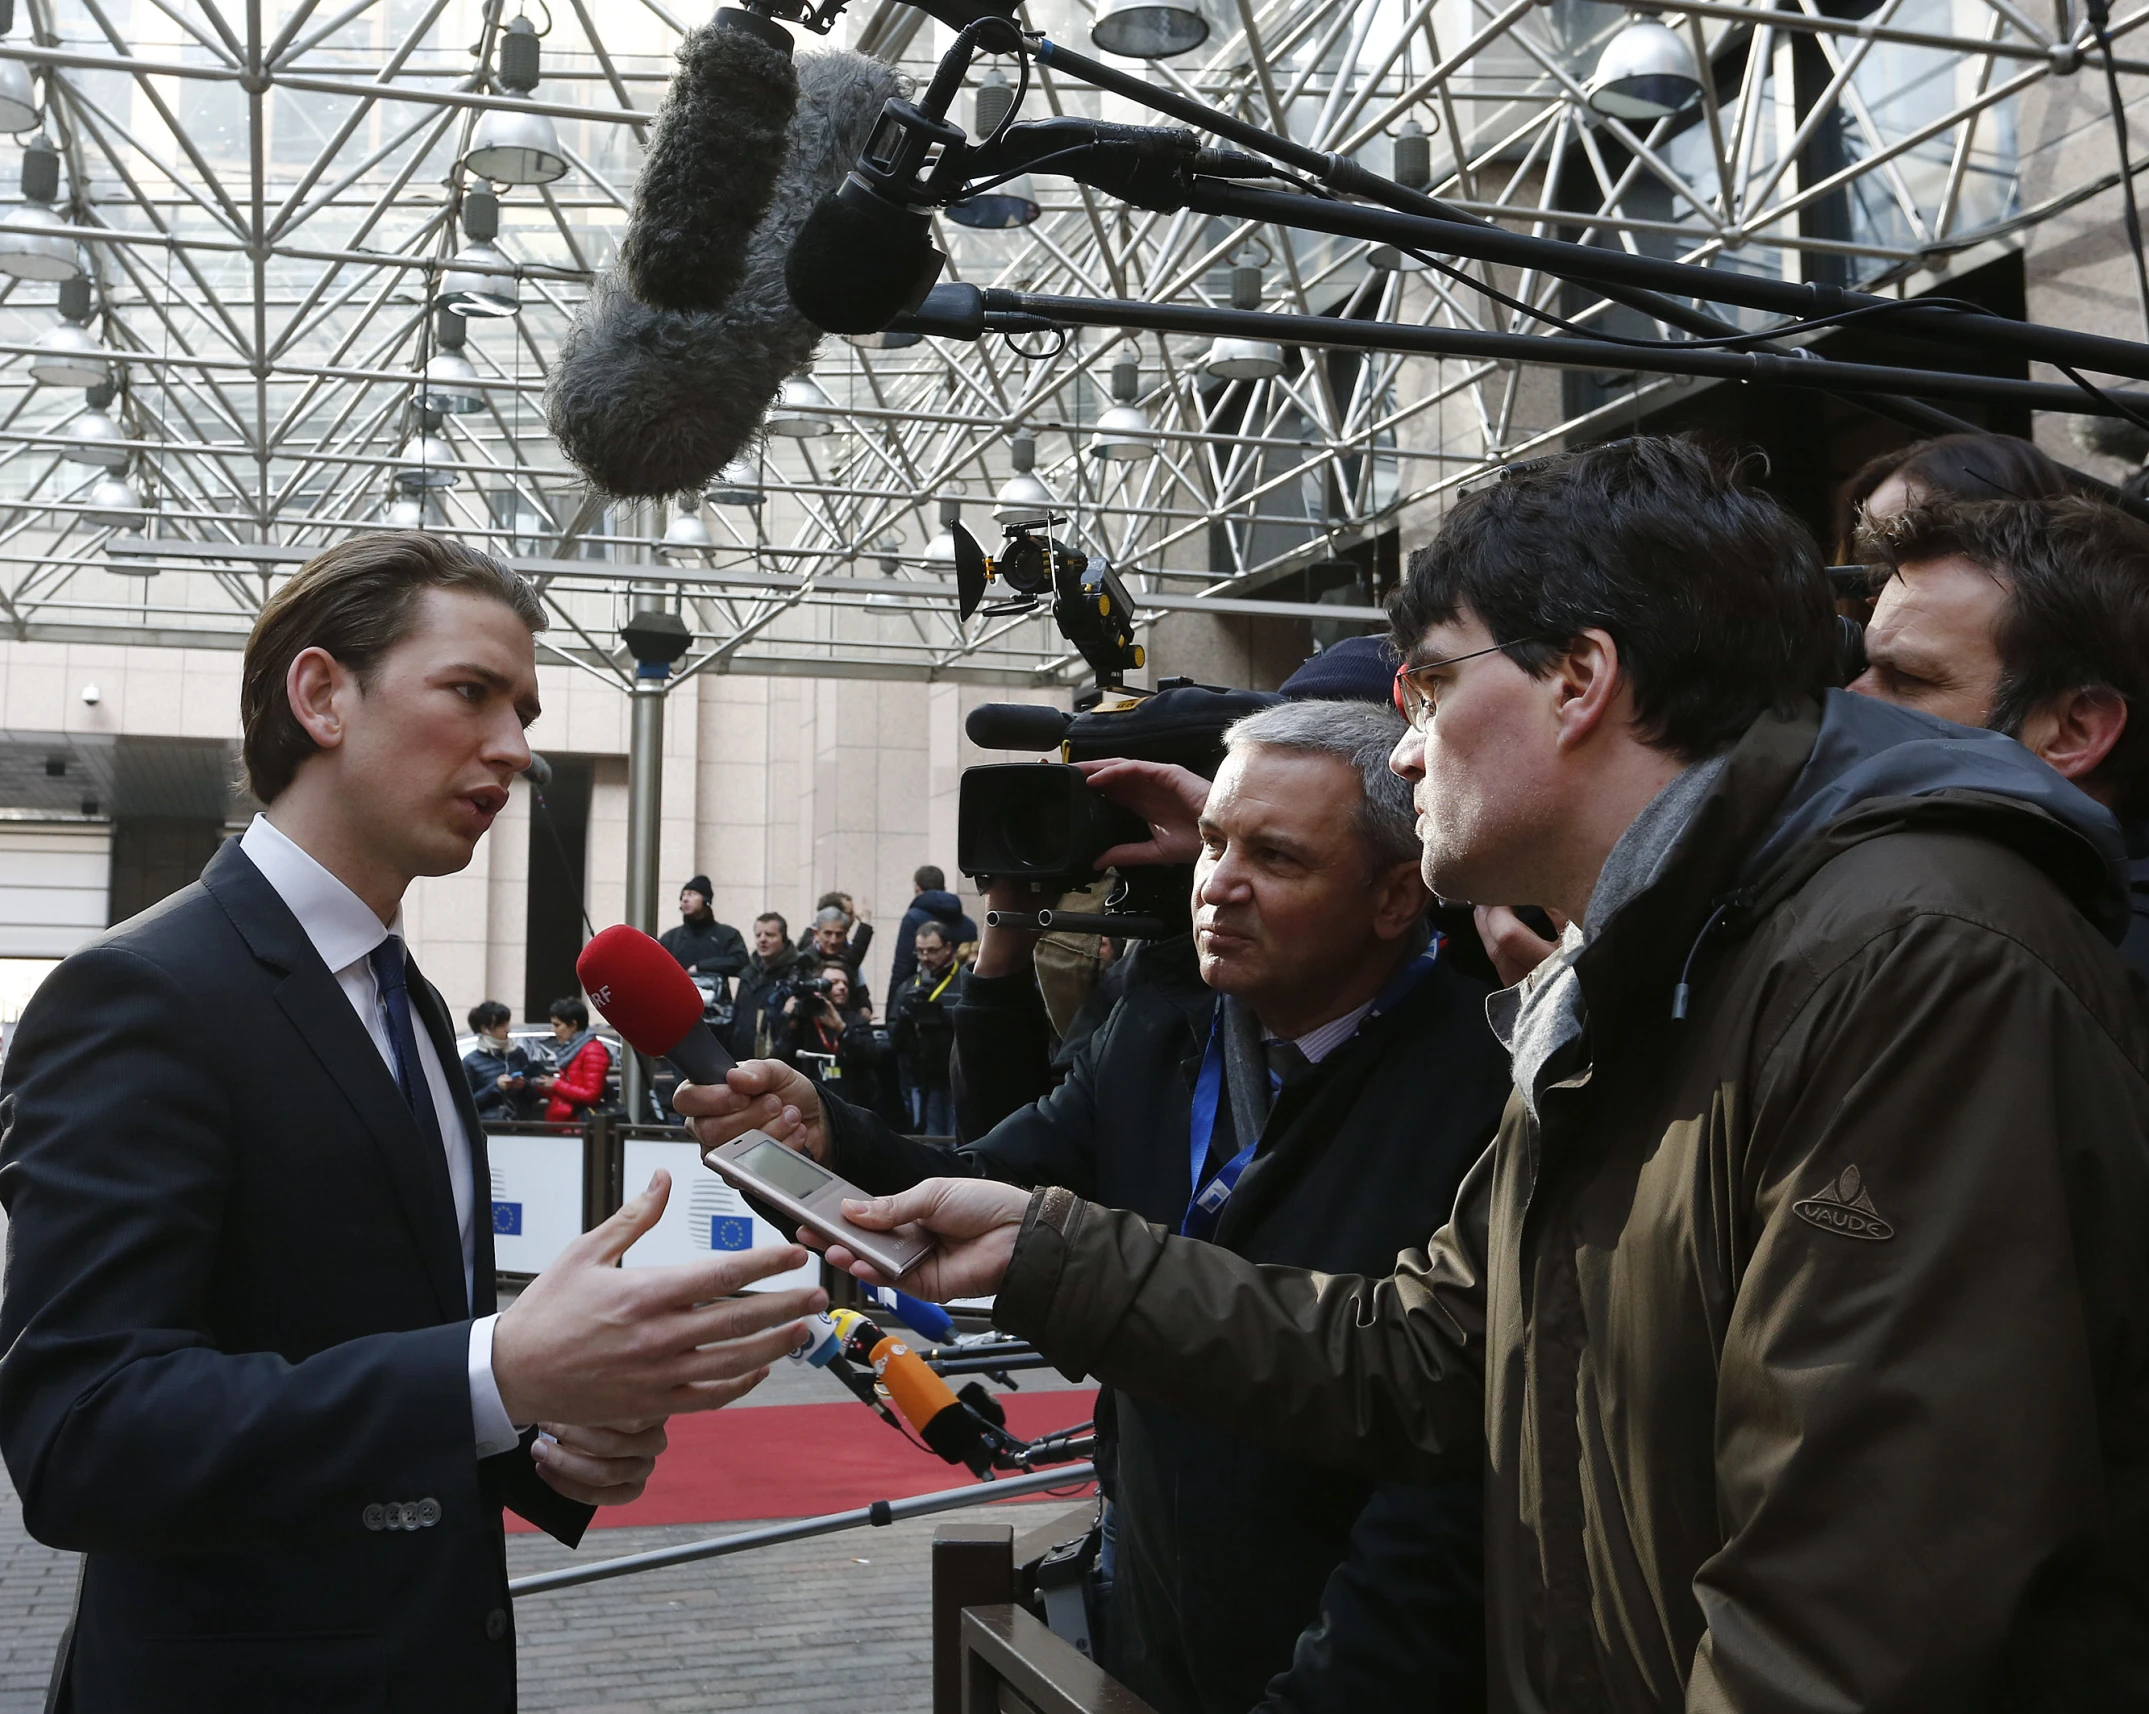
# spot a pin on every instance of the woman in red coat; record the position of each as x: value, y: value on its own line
x: 581, y: 1059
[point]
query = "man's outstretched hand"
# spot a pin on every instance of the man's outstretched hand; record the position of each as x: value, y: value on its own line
x: 1168, y: 797
x: 591, y: 1342
x: 760, y: 1095
x: 975, y: 1219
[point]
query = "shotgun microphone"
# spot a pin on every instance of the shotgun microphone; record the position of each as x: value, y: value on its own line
x: 652, y: 1002
x: 715, y: 154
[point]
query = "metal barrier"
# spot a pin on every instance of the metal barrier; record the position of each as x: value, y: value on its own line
x: 991, y: 1653
x: 1012, y: 1664
x: 880, y: 1512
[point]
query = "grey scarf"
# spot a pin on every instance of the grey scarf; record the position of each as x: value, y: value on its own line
x: 1542, y: 1016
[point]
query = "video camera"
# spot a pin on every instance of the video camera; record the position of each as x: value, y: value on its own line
x: 1040, y: 822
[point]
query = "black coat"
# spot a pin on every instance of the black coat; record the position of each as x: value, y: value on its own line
x: 931, y: 906
x: 483, y: 1069
x: 709, y: 948
x: 1244, y: 1578
x: 921, y: 1024
x: 235, y: 1325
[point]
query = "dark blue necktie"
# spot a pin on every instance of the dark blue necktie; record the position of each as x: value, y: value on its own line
x: 389, y: 976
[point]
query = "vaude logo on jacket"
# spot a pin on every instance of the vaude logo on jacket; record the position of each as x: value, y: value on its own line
x: 1846, y: 1208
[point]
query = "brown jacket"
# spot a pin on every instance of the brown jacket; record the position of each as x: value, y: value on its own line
x: 1806, y: 1340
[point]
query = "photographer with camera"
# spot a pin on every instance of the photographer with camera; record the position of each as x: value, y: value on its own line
x: 830, y: 1037
x: 757, y: 1013
x: 922, y: 1028
x: 1263, y: 1086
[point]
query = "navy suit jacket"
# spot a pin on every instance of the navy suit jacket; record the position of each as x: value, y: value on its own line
x: 236, y: 1332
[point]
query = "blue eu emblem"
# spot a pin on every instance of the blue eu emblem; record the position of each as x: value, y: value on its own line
x: 507, y: 1219
x: 730, y: 1232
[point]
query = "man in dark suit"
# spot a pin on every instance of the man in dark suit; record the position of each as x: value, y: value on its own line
x: 253, y: 1370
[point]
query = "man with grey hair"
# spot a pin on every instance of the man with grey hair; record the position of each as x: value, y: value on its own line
x: 1302, y: 1080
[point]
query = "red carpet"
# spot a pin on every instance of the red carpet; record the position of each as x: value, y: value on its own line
x: 794, y: 1461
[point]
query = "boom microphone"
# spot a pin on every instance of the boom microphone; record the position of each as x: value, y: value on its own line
x: 652, y: 1002
x: 714, y: 156
x: 652, y: 402
x: 1033, y: 727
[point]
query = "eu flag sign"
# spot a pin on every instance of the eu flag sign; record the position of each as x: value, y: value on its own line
x: 507, y: 1219
x: 730, y: 1232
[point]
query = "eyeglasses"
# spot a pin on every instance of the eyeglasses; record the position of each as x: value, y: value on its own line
x: 1414, y: 698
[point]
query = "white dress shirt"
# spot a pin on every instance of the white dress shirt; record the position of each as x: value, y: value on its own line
x: 344, y: 931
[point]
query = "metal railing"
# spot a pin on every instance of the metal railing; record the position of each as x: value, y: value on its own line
x: 991, y: 1653
x: 878, y: 1514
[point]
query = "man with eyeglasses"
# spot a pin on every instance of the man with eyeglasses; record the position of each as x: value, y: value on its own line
x: 1797, y: 1314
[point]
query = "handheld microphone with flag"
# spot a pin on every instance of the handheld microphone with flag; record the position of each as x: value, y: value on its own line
x: 652, y: 1002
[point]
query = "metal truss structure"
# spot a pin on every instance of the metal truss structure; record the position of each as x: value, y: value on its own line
x: 266, y: 201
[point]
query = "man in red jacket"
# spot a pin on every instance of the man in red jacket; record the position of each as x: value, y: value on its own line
x: 582, y: 1059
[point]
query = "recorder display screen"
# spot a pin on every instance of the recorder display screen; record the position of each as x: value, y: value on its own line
x: 790, y: 1172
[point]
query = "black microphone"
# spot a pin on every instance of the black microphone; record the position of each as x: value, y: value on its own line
x: 861, y: 260
x: 650, y: 402
x: 1030, y: 726
x: 714, y: 155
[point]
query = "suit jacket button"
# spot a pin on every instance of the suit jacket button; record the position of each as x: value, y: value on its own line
x: 428, y: 1513
x: 376, y: 1516
x: 496, y: 1624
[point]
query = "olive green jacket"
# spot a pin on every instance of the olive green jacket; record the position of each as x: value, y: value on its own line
x: 1805, y: 1340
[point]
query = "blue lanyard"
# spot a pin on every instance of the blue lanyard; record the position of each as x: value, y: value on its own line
x: 1207, y: 1200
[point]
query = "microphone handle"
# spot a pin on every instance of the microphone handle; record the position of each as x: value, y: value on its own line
x: 700, y: 1055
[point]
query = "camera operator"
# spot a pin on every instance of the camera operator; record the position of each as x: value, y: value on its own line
x: 831, y: 948
x: 831, y: 1039
x: 703, y: 946
x: 2030, y: 619
x: 857, y: 936
x: 922, y: 1028
x: 757, y: 1026
x: 1325, y: 1110
x: 499, y: 1071
x: 1795, y: 1315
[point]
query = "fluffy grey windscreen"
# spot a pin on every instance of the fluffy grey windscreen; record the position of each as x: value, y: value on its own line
x: 647, y: 402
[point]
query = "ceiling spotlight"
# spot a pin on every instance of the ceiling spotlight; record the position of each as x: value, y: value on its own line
x: 47, y: 253
x: 94, y: 437
x: 113, y: 504
x: 686, y: 537
x: 450, y: 383
x: 802, y: 411
x: 405, y: 512
x: 737, y: 484
x: 1244, y: 360
x: 941, y: 551
x: 426, y: 459
x: 1148, y: 29
x: 509, y: 147
x: 473, y: 287
x: 1001, y: 209
x: 1238, y: 359
x: 1644, y: 73
x: 482, y: 281
x: 1413, y: 161
x: 69, y: 355
x: 1124, y: 433
x: 1022, y: 497
x: 1008, y: 205
x: 18, y: 97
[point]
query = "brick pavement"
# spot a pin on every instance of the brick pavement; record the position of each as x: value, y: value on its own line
x: 835, y: 1623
